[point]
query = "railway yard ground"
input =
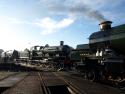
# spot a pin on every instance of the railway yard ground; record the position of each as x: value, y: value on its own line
x: 31, y: 79
x: 61, y: 82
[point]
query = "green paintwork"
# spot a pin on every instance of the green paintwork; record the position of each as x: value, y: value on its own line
x: 116, y: 38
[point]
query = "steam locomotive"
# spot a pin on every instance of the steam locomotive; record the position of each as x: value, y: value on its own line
x: 107, y: 60
x: 40, y: 54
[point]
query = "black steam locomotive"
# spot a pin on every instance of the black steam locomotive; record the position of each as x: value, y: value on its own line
x: 107, y: 60
x: 40, y: 54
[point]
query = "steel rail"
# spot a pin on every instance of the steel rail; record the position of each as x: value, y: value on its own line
x: 45, y: 89
x: 71, y: 87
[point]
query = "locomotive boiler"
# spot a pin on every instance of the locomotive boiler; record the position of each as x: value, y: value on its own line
x: 57, y: 53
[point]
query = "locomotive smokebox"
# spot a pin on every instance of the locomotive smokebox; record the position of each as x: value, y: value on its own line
x: 106, y: 25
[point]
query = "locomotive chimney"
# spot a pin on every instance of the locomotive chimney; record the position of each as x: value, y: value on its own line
x: 106, y: 25
x: 61, y: 43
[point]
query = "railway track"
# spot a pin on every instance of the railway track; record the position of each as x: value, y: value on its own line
x: 45, y: 89
x: 73, y: 89
x: 82, y: 86
x: 58, y: 83
x: 68, y: 87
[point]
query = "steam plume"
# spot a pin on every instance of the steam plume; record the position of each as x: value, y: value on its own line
x: 76, y: 9
x: 87, y: 11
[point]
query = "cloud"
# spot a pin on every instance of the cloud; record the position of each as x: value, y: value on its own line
x: 49, y: 25
x: 81, y: 8
x: 76, y: 8
x: 95, y: 5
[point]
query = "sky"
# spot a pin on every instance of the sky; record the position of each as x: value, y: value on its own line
x: 25, y: 23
